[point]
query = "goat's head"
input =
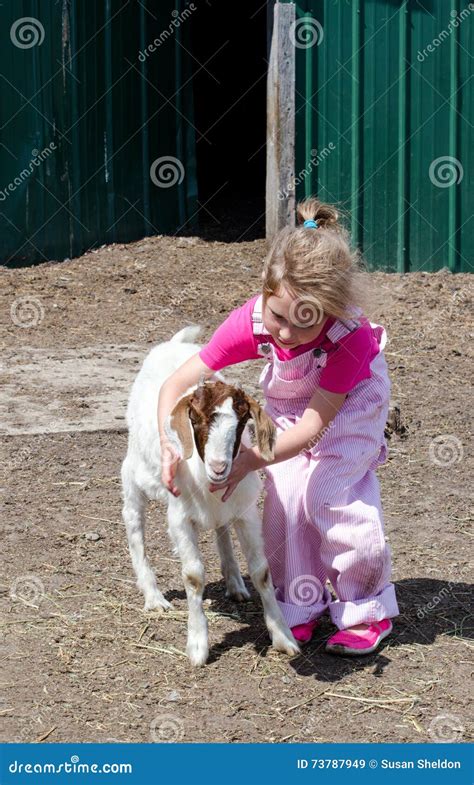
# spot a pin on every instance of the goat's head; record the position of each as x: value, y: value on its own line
x: 214, y: 416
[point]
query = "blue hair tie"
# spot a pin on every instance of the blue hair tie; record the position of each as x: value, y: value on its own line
x: 310, y: 224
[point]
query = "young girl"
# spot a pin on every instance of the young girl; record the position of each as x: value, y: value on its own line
x: 327, y: 391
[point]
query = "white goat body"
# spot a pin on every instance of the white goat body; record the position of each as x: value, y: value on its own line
x: 196, y: 507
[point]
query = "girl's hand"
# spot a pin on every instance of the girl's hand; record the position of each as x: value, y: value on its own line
x: 169, y: 465
x: 242, y: 465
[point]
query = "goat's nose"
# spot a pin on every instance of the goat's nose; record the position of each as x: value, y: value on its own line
x: 218, y: 467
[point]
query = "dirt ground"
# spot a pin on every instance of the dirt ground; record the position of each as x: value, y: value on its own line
x: 81, y: 659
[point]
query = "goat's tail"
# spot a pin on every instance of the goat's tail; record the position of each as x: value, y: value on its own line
x: 187, y: 334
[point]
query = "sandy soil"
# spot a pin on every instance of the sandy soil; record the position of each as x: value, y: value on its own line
x: 81, y: 660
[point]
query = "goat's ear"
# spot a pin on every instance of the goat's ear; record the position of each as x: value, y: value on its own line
x: 265, y: 430
x: 178, y: 422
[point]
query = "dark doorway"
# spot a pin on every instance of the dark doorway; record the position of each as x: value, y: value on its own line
x: 228, y: 48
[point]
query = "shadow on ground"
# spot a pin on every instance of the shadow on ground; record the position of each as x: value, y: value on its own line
x: 428, y: 608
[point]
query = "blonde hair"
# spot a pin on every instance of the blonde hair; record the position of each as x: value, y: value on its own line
x: 318, y: 263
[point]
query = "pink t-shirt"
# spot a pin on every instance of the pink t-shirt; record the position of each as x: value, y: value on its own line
x: 348, y: 360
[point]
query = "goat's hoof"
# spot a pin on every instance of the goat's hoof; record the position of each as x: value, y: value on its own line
x: 197, y: 653
x: 286, y: 645
x: 237, y: 591
x: 238, y: 596
x: 155, y: 601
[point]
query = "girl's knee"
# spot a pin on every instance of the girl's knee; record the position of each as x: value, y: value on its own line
x: 361, y: 568
x: 374, y: 566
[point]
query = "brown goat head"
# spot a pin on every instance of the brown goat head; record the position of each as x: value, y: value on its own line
x: 215, y: 415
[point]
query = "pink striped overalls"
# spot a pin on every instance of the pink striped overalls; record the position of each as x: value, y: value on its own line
x: 322, y: 516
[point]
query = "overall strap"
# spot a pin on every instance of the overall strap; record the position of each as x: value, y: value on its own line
x: 257, y: 317
x: 343, y: 327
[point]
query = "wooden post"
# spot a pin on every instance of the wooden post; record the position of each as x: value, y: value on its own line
x: 280, y: 189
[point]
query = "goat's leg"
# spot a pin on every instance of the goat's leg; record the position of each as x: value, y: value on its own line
x: 185, y: 541
x: 133, y: 513
x: 249, y: 533
x: 235, y: 586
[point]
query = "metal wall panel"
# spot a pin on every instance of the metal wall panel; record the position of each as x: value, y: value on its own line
x: 82, y: 86
x: 384, y: 94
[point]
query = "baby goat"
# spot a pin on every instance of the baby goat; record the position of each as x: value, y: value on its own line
x: 206, y: 427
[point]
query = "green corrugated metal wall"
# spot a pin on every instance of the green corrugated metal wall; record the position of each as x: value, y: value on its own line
x: 83, y: 89
x: 390, y: 111
x: 391, y: 116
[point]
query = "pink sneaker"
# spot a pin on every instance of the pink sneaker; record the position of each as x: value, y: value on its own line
x: 304, y: 632
x: 345, y: 642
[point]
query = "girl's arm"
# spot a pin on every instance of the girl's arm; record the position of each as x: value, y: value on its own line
x: 317, y: 418
x: 175, y: 385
